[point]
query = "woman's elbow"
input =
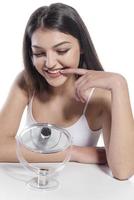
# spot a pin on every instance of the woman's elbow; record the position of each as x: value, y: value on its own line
x: 122, y: 175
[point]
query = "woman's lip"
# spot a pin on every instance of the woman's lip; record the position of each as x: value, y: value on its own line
x: 53, y: 75
x: 55, y: 70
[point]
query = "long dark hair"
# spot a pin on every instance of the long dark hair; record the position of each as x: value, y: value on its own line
x: 65, y: 19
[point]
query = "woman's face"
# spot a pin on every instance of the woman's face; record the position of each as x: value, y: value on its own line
x: 53, y: 51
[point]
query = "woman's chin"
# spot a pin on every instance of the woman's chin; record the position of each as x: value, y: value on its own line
x: 57, y: 82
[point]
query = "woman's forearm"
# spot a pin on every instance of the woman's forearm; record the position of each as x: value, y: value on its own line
x: 121, y: 144
x: 93, y: 155
x: 8, y: 149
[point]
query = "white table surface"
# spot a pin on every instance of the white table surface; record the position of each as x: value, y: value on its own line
x: 78, y: 182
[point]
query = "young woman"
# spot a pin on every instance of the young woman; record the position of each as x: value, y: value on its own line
x: 63, y: 83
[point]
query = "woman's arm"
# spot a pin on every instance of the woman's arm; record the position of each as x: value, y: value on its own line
x: 92, y: 155
x: 116, y: 119
x: 118, y: 129
x: 10, y: 117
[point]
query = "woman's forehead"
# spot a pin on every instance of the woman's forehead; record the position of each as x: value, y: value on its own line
x: 51, y: 37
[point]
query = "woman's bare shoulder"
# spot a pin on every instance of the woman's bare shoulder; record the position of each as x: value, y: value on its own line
x: 21, y: 84
x: 20, y: 81
x: 19, y: 88
x: 13, y: 107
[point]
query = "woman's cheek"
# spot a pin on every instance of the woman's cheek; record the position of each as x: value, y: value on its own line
x: 72, y: 60
x: 37, y: 62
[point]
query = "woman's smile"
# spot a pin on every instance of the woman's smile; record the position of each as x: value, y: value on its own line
x: 54, y: 73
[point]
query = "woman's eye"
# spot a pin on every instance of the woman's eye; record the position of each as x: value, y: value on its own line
x: 39, y: 54
x: 61, y: 52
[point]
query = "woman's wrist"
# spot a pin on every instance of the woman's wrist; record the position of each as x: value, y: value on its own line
x: 73, y: 154
x: 96, y: 155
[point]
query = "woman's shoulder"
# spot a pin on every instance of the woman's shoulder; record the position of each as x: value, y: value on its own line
x: 20, y: 86
x: 17, y: 97
x: 99, y: 102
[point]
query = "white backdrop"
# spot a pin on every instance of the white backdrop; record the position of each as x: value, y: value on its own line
x: 110, y: 23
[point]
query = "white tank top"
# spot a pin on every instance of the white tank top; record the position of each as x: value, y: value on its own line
x: 80, y: 131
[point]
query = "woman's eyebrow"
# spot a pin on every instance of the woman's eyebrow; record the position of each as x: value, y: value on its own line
x: 56, y: 45
x: 61, y: 43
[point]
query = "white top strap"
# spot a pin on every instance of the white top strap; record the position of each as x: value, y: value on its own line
x: 31, y: 102
x: 89, y: 97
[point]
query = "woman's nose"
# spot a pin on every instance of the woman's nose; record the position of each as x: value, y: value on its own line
x: 50, y: 61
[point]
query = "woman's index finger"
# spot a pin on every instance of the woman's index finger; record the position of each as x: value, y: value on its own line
x: 74, y: 71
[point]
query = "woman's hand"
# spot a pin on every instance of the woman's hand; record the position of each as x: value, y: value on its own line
x: 92, y: 79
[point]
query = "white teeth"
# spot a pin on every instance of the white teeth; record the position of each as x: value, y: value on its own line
x: 54, y: 71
